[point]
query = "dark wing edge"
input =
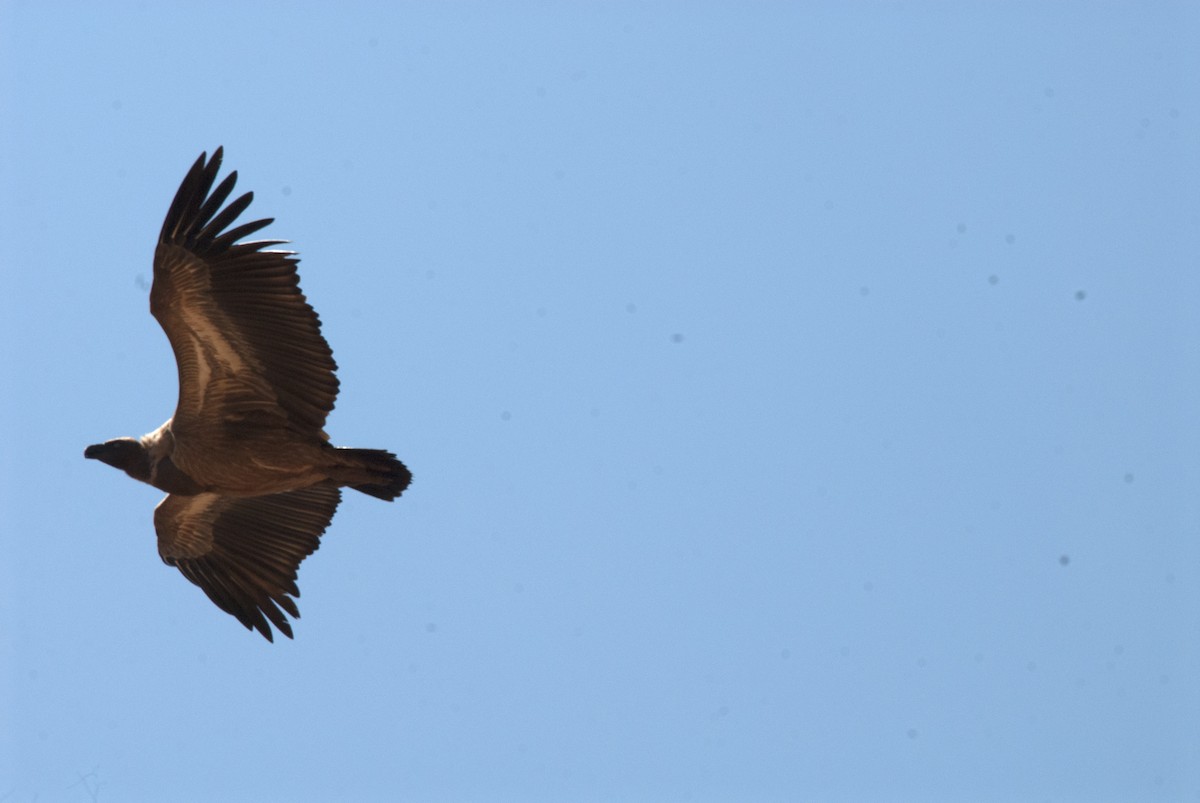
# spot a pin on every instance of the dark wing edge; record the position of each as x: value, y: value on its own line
x: 245, y: 552
x: 249, y: 294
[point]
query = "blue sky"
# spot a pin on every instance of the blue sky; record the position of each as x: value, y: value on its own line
x: 801, y: 401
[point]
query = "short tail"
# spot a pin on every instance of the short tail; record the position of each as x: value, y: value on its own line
x: 375, y: 472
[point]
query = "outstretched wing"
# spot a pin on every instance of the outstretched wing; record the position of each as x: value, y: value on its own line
x: 244, y: 552
x: 247, y: 344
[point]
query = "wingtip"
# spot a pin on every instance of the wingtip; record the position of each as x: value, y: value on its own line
x: 264, y: 630
x: 217, y: 155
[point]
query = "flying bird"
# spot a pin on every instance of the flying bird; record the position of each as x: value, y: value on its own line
x: 252, y: 481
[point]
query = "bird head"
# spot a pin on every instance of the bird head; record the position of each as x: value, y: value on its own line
x: 126, y: 454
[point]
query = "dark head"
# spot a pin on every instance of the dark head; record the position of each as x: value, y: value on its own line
x: 126, y: 454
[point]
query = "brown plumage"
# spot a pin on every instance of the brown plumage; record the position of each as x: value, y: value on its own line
x: 251, y: 478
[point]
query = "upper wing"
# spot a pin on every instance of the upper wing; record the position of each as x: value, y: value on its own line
x: 245, y: 339
x: 244, y: 552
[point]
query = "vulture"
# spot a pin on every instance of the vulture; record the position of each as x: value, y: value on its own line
x: 252, y: 481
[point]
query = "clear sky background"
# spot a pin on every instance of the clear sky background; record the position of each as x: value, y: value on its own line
x: 802, y: 401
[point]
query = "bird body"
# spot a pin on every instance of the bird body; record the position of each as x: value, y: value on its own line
x: 251, y: 477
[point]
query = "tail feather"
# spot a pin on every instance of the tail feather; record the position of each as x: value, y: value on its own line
x: 375, y: 472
